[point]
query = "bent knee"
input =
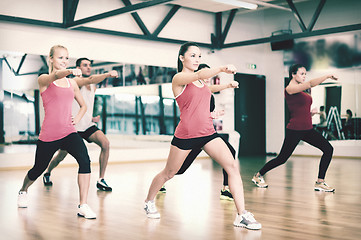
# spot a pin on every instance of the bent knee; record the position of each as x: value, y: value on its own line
x: 167, y: 175
x: 105, y: 145
x: 232, y: 168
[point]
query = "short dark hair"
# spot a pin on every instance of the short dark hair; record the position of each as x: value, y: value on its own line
x: 79, y: 60
x: 349, y: 112
x: 201, y: 66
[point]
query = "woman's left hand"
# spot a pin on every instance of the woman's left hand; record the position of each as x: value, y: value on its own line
x: 233, y: 84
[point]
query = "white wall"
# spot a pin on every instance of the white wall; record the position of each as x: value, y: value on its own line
x: 187, y: 25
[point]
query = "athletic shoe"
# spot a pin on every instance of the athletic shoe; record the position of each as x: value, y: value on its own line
x: 46, y: 180
x: 151, y: 210
x: 259, y: 181
x: 162, y: 189
x: 85, y: 211
x: 102, y: 185
x: 247, y: 220
x: 23, y: 199
x: 226, y: 195
x: 322, y: 186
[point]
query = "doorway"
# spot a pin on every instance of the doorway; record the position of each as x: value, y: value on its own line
x: 250, y: 113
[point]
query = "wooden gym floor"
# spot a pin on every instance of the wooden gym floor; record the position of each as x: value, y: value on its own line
x: 191, y: 208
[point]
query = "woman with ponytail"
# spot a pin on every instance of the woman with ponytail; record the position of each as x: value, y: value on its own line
x: 196, y: 130
x: 299, y: 127
x: 58, y: 131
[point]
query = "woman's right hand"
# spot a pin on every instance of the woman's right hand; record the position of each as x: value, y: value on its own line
x: 76, y: 72
x: 230, y: 69
x: 333, y: 77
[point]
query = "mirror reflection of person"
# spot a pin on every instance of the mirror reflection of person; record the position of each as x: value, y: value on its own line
x: 300, y: 127
x: 86, y: 127
x: 322, y: 126
x: 58, y: 131
x: 348, y: 125
x: 196, y: 129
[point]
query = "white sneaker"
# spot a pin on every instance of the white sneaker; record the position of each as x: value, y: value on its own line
x: 23, y: 199
x: 85, y: 211
x: 151, y: 210
x: 247, y: 220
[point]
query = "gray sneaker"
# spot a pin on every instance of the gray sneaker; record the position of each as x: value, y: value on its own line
x: 247, y: 220
x: 322, y: 186
x: 23, y: 199
x: 259, y: 181
x: 151, y: 210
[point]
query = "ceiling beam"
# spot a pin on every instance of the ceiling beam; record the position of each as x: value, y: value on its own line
x: 118, y: 11
x: 347, y: 28
x: 21, y: 63
x: 316, y: 15
x: 228, y: 25
x: 137, y: 36
x: 137, y: 19
x: 297, y: 15
x: 13, y: 19
x: 167, y: 18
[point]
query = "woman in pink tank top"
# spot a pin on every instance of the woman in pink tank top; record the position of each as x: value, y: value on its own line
x: 195, y: 130
x: 300, y: 127
x: 58, y: 131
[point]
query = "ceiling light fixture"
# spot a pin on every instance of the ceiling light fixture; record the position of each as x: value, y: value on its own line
x: 238, y: 3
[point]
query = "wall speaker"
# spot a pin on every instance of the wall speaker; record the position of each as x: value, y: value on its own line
x: 282, y: 45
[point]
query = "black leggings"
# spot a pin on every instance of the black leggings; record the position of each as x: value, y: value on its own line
x: 193, y: 155
x: 72, y: 143
x: 293, y: 137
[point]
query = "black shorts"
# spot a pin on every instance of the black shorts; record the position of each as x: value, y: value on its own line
x: 191, y: 143
x: 87, y: 133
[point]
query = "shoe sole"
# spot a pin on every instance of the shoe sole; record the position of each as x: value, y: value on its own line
x: 226, y: 198
x: 81, y: 215
x: 323, y: 190
x: 106, y: 189
x: 153, y: 217
x: 244, y: 226
x: 259, y: 185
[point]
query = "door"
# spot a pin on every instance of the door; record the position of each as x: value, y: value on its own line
x: 250, y: 113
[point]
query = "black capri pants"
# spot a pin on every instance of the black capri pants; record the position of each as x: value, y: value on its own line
x: 196, y: 151
x: 292, y: 138
x: 72, y: 143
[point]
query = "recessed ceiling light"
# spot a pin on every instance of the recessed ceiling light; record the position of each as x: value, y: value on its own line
x: 238, y: 3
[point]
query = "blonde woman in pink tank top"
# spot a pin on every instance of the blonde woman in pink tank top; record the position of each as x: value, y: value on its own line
x: 195, y: 129
x: 58, y: 131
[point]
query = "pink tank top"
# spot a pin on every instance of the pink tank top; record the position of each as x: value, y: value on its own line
x: 299, y: 105
x: 195, y: 117
x: 57, y: 102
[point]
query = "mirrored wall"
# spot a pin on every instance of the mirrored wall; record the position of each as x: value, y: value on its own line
x: 336, y: 105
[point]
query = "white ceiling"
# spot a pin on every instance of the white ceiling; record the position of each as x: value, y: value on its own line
x: 212, y: 6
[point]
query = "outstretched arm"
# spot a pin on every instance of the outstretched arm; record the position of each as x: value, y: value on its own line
x: 45, y: 79
x: 296, y: 88
x: 183, y: 78
x: 94, y: 79
x: 218, y: 88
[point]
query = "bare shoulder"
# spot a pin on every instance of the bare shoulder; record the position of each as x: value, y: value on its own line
x: 43, y: 76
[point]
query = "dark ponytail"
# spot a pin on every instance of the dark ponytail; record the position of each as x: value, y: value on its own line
x: 183, y: 49
x: 294, y: 68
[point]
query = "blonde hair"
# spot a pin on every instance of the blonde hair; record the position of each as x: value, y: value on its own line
x: 51, y: 55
